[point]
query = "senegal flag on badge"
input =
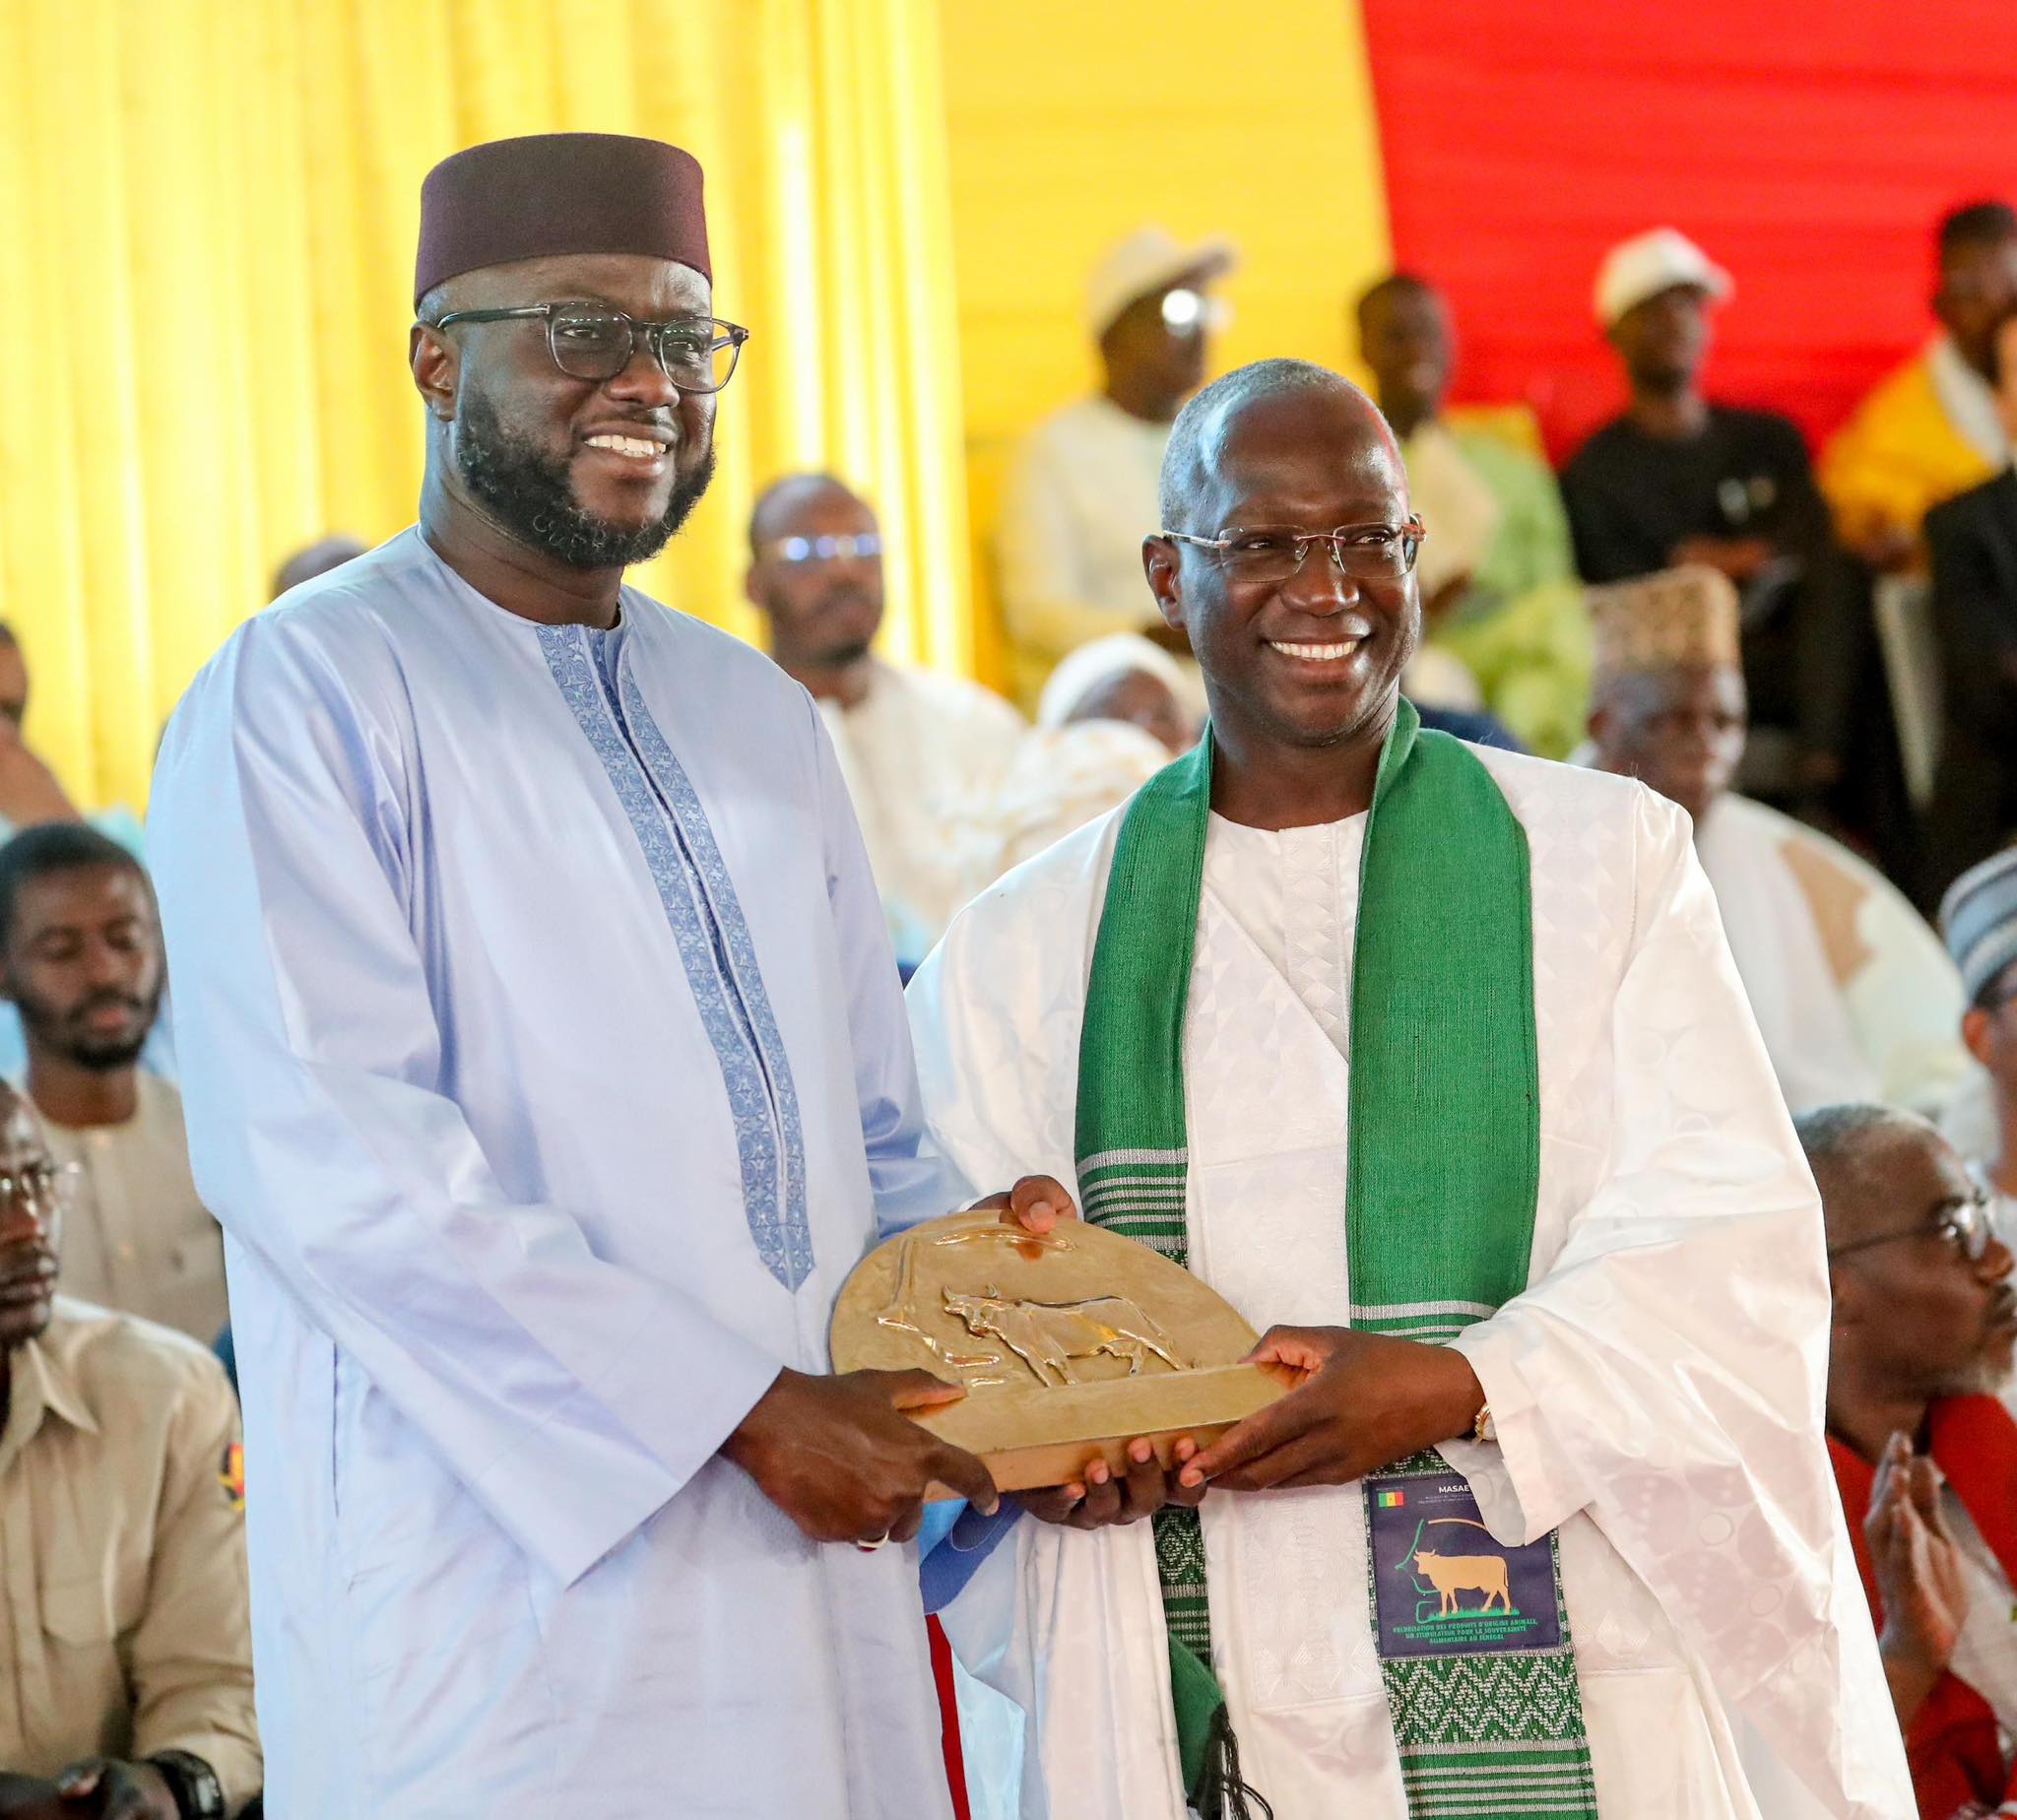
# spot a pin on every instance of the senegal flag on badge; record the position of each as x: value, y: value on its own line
x: 231, y: 1474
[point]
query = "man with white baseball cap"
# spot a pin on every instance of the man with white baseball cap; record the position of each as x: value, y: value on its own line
x: 1649, y: 263
x: 1675, y: 479
x: 1082, y: 494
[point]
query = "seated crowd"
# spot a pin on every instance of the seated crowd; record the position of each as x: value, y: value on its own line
x: 1690, y: 602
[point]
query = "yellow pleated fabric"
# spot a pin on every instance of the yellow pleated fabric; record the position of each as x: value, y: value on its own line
x: 1071, y: 122
x: 207, y: 221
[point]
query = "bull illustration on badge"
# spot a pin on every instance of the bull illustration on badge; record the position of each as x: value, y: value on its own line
x: 1445, y: 1585
x: 1451, y: 1575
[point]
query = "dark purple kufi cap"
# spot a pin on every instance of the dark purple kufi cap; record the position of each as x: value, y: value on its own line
x: 559, y: 193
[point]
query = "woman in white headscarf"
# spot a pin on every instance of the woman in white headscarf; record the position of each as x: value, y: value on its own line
x: 1111, y: 716
x: 1123, y: 677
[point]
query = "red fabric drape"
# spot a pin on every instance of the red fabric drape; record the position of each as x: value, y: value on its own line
x: 949, y: 1718
x: 1808, y: 145
x: 1957, y: 1759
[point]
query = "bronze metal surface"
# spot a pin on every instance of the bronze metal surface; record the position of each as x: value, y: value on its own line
x: 1068, y: 1344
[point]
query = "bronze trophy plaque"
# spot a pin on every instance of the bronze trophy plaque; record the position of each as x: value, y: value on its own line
x: 1070, y: 1343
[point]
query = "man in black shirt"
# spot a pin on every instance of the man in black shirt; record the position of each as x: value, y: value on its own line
x: 1972, y: 538
x: 1677, y: 480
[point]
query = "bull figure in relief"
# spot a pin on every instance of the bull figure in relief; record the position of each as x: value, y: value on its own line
x: 1048, y: 1336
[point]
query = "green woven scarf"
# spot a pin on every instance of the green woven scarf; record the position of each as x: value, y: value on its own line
x: 1443, y: 1168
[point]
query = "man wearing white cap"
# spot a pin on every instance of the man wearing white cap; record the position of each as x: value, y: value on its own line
x: 1675, y: 479
x: 1081, y: 494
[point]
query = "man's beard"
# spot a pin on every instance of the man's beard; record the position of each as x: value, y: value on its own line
x: 529, y: 494
x: 1988, y: 1373
x: 1984, y: 1375
x: 67, y: 1034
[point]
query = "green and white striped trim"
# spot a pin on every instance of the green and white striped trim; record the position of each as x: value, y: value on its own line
x: 1507, y: 1780
x: 1472, y: 1793
x: 1430, y: 1322
x: 1139, y: 1193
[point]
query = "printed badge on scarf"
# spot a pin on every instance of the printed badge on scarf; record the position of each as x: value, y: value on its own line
x: 1441, y: 1584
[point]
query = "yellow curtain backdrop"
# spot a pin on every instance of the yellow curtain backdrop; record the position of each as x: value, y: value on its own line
x: 207, y: 221
x: 1070, y: 123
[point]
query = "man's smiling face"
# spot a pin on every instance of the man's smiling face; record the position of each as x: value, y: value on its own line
x: 1315, y: 658
x: 598, y: 473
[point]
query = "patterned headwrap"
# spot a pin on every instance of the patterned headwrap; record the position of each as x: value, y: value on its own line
x: 1978, y: 921
x: 1680, y: 616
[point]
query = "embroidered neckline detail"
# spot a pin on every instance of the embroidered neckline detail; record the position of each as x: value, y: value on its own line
x: 711, y: 934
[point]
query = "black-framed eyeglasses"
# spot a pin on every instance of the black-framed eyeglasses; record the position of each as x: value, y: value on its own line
x: 1966, y: 1227
x: 591, y: 341
x: 1271, y: 552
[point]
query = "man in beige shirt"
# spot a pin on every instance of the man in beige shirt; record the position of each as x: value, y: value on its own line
x: 1080, y: 492
x: 81, y: 957
x: 125, y: 1644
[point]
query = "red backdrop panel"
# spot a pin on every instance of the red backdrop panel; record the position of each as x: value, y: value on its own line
x: 1809, y: 147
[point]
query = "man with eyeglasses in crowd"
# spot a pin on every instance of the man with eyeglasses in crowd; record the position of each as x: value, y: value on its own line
x: 1082, y: 487
x: 125, y: 1651
x: 1437, y: 1052
x: 545, y: 1064
x: 918, y: 750
x: 1925, y: 1450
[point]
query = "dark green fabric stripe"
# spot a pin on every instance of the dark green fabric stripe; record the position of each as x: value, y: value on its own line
x: 1446, y: 1114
